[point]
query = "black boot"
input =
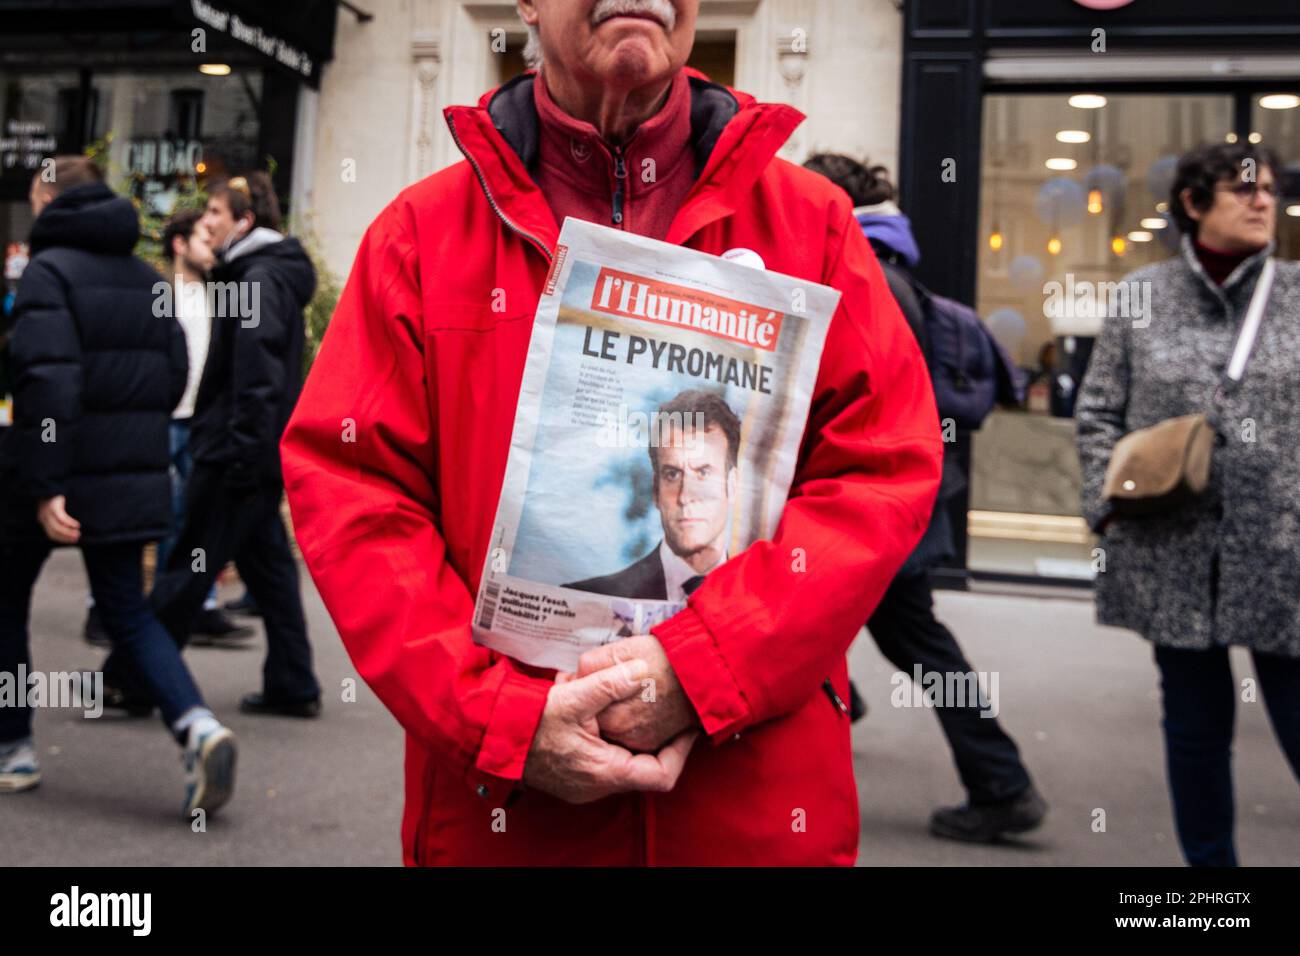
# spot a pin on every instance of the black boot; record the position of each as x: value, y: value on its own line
x: 257, y: 703
x: 857, y: 706
x: 214, y: 629
x: 987, y: 822
x: 243, y: 605
x: 94, y: 632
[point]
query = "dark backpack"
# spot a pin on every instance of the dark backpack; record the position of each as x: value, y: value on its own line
x: 971, y: 372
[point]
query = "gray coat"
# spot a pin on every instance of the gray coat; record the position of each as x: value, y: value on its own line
x: 1226, y: 568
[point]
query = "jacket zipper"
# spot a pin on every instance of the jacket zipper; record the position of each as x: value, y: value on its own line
x: 620, y: 177
x: 541, y: 246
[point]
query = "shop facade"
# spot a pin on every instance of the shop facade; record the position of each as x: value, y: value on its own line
x: 172, y: 92
x: 1037, y: 148
x: 379, y: 123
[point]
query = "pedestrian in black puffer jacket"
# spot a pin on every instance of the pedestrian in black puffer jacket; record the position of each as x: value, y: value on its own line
x: 95, y: 383
x: 96, y: 374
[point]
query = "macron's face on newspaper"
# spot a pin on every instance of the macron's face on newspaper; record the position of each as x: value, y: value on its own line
x: 693, y: 490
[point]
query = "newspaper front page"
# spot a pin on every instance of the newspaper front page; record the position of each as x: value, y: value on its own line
x: 662, y: 407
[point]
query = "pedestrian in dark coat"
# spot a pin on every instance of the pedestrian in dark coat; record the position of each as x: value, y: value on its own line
x: 262, y: 282
x: 96, y: 374
x: 1001, y: 796
x: 1223, y: 569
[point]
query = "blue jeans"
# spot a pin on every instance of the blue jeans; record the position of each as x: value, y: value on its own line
x: 181, y: 468
x: 1199, y: 699
x: 117, y: 583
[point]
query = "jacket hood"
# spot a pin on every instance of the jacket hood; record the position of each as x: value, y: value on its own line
x: 251, y: 242
x: 90, y: 217
x: 889, y: 228
x: 266, y: 248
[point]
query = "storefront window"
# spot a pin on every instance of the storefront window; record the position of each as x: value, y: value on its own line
x: 169, y: 127
x: 38, y: 113
x: 161, y: 129
x: 1275, y: 123
x: 1073, y: 193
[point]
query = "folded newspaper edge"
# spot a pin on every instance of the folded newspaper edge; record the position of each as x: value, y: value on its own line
x: 650, y: 316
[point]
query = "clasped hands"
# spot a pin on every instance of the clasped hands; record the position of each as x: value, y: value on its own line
x: 622, y: 722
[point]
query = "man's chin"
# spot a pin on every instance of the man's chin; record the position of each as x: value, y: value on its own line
x: 632, y: 62
x: 688, y: 548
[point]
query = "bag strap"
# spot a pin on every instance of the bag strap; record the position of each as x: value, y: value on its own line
x: 1236, y: 367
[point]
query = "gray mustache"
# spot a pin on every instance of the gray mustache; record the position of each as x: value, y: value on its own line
x: 662, y: 10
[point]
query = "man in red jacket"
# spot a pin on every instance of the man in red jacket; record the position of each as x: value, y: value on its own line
x: 394, y: 459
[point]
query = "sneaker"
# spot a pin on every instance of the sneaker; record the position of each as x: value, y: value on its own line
x: 243, y: 605
x: 209, y: 758
x: 256, y: 703
x: 19, y: 769
x: 93, y: 631
x: 986, y: 823
x: 214, y: 629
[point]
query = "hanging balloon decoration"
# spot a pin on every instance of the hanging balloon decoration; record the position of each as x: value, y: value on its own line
x: 1171, y: 236
x: 1008, y: 327
x: 1160, y: 177
x: 1105, y: 186
x: 1060, y: 202
x: 1026, y: 273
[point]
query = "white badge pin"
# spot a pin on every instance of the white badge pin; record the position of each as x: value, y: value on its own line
x: 746, y: 257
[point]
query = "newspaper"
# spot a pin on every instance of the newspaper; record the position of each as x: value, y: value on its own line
x: 663, y: 402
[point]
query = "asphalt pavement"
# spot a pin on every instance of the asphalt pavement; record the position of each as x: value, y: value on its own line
x: 1081, y: 702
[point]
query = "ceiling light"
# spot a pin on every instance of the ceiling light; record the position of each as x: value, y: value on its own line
x: 1087, y: 101
x: 1256, y: 137
x: 1153, y: 222
x: 1293, y: 210
x: 215, y: 69
x: 1138, y: 235
x: 1073, y: 136
x: 1279, y: 101
x: 1061, y: 162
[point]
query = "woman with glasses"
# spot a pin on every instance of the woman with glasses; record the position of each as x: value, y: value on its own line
x: 1224, y: 568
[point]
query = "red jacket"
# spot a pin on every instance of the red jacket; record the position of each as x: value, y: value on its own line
x: 394, y: 458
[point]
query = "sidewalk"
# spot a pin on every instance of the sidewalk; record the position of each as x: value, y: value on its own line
x: 1079, y: 700
x: 1082, y: 703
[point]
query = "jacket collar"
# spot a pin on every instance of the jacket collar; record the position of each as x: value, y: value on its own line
x: 733, y: 137
x: 572, y: 151
x: 258, y: 238
x: 1248, y: 267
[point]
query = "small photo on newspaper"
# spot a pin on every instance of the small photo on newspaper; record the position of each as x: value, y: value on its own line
x: 662, y: 407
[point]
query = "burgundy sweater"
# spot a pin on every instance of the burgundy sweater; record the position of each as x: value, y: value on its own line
x: 638, y: 185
